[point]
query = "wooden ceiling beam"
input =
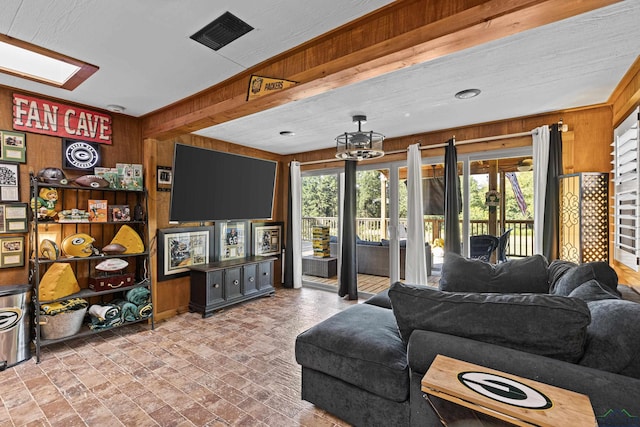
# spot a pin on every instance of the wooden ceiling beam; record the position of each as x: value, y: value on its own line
x: 402, y: 34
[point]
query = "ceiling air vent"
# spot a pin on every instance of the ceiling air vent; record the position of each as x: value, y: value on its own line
x: 222, y: 31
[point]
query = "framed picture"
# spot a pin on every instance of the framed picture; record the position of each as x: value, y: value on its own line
x: 164, y: 178
x: 11, y: 251
x: 179, y: 248
x: 232, y: 240
x: 13, y: 217
x: 9, y: 182
x: 14, y: 147
x: 267, y: 238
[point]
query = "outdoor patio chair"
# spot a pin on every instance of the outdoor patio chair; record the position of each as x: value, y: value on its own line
x: 482, y: 246
x: 503, y: 244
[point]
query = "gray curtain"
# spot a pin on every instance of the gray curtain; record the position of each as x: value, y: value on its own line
x: 288, y: 246
x: 451, y: 207
x: 349, y: 268
x: 551, y: 230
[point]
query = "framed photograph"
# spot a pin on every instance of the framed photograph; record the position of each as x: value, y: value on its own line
x: 9, y: 182
x: 179, y: 248
x: 164, y: 178
x: 14, y: 148
x: 232, y: 240
x: 11, y: 251
x: 13, y: 217
x: 267, y: 238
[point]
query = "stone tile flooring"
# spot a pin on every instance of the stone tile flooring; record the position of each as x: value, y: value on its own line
x: 236, y: 368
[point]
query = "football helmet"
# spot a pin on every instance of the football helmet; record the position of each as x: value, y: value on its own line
x: 78, y: 245
x: 52, y: 176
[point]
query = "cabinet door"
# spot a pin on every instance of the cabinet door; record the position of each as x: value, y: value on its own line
x: 214, y: 287
x: 250, y: 279
x: 265, y: 275
x: 232, y: 283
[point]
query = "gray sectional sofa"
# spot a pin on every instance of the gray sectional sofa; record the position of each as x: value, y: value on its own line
x: 562, y: 324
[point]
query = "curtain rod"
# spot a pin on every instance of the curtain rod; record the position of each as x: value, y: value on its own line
x: 563, y: 128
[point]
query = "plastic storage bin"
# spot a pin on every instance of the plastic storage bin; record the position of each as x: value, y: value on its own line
x: 14, y: 325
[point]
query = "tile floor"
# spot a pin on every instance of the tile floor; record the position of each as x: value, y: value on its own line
x: 236, y: 368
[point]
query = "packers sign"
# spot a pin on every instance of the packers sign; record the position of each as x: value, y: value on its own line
x: 259, y: 86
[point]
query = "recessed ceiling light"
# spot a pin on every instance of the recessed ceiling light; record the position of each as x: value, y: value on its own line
x: 28, y: 61
x: 467, y: 93
x: 287, y: 133
x: 115, y: 108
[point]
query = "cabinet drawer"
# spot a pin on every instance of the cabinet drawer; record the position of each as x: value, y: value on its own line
x: 214, y: 287
x: 265, y: 275
x: 250, y: 279
x: 232, y: 283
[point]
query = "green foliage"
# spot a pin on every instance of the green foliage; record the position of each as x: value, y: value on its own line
x: 320, y: 196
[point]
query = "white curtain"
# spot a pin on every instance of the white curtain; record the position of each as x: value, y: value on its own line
x: 415, y: 269
x: 340, y: 209
x: 296, y: 221
x: 540, y: 167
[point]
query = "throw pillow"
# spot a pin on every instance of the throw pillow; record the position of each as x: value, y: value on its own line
x: 612, y: 337
x: 557, y: 269
x: 592, y: 291
x: 524, y: 275
x: 547, y: 325
x: 576, y: 276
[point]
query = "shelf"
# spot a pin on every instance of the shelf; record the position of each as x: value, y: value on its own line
x: 88, y: 258
x: 86, y: 330
x: 88, y: 293
x: 79, y: 187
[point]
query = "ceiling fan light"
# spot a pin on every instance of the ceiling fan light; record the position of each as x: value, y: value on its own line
x: 359, y: 145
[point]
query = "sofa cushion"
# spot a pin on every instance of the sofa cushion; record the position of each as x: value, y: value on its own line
x: 524, y: 275
x: 557, y: 269
x: 581, y: 273
x: 381, y: 299
x: 613, y: 337
x: 361, y: 346
x: 592, y: 291
x: 547, y: 325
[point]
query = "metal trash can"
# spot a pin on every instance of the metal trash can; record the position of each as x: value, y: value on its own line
x: 15, y: 340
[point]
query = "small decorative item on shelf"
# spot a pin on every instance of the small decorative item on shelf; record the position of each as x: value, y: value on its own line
x: 119, y: 213
x: 44, y: 205
x: 129, y: 176
x: 114, y: 249
x: 97, y: 210
x: 79, y: 245
x: 93, y: 181
x: 73, y: 215
x: 109, y: 174
x: 128, y: 238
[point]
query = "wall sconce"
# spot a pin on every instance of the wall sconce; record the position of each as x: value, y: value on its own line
x: 584, y: 217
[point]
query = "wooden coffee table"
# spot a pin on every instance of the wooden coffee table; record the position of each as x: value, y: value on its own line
x: 459, y: 391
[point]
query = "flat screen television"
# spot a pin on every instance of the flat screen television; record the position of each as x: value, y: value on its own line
x: 210, y: 185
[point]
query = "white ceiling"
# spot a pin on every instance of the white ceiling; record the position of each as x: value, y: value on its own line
x: 148, y: 61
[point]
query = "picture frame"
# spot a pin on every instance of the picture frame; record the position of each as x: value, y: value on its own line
x: 266, y: 238
x: 9, y: 182
x: 232, y: 238
x: 13, y: 217
x: 11, y: 251
x: 14, y: 146
x: 80, y: 155
x: 165, y: 178
x: 179, y: 248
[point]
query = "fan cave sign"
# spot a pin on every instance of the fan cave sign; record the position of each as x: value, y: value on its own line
x: 52, y: 118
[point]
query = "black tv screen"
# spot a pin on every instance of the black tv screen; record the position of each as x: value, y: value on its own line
x: 210, y: 185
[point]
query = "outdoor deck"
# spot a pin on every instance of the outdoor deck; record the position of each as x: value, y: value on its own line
x: 366, y: 283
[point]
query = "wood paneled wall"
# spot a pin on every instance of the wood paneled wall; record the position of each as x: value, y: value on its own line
x: 46, y: 151
x: 172, y: 296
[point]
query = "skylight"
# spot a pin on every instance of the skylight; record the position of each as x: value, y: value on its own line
x: 32, y: 62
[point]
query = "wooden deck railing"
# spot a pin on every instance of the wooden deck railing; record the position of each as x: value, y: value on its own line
x: 520, y: 242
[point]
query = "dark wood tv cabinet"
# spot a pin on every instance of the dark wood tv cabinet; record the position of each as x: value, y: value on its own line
x: 224, y: 283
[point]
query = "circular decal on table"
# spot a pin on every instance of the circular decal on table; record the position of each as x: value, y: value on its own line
x: 9, y: 318
x: 505, y: 390
x: 82, y: 155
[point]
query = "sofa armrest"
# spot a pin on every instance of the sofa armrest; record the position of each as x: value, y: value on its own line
x: 609, y: 393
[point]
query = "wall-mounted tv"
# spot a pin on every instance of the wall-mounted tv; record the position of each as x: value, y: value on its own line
x: 210, y: 185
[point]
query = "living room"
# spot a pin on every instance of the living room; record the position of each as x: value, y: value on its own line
x: 150, y: 140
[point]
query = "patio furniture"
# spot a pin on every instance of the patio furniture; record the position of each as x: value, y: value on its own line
x: 482, y: 246
x: 503, y: 244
